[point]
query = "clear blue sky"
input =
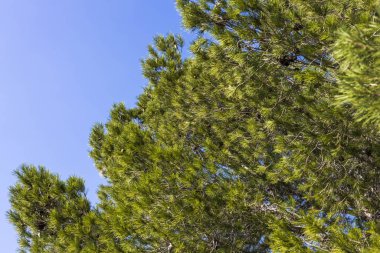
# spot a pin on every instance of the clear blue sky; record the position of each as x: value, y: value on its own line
x: 62, y: 66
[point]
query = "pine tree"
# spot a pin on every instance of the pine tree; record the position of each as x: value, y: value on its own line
x: 266, y: 139
x: 52, y: 215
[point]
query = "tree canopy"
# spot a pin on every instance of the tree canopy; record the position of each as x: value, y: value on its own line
x: 265, y: 139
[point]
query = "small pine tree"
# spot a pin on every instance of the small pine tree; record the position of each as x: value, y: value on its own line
x: 51, y: 215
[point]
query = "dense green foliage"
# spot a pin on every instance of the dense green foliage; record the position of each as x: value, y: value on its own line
x: 52, y: 215
x: 266, y: 139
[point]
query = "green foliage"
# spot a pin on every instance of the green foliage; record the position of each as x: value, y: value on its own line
x: 358, y: 50
x: 249, y: 145
x: 52, y: 215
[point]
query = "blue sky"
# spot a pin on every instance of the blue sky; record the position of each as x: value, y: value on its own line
x: 62, y: 66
